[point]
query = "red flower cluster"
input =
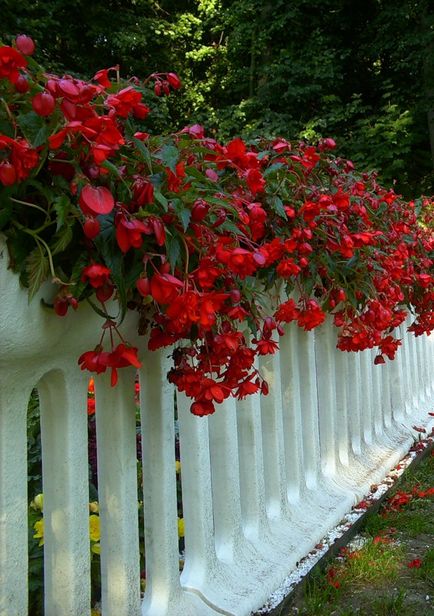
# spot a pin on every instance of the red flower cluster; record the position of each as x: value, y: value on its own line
x: 18, y: 160
x: 120, y: 357
x: 217, y: 246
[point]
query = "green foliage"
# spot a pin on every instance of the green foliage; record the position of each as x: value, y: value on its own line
x: 362, y: 73
x: 34, y: 458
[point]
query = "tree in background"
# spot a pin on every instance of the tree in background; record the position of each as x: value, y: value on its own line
x: 362, y: 72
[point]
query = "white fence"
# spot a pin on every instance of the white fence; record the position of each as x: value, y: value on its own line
x: 262, y: 480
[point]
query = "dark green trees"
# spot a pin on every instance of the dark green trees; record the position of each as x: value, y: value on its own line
x: 362, y: 72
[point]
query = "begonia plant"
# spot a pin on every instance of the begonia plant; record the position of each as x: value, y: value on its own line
x: 207, y: 241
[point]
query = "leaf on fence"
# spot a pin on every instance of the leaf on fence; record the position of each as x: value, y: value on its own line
x: 277, y: 205
x: 184, y: 214
x: 37, y: 269
x: 144, y: 152
x: 99, y: 311
x: 158, y: 196
x: 174, y: 249
x: 34, y: 128
x: 62, y: 240
x: 62, y: 205
x: 169, y: 156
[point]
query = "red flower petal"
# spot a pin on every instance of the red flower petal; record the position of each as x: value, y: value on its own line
x: 96, y: 200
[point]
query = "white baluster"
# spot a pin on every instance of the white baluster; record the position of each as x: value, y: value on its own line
x: 397, y: 392
x: 15, y: 389
x: 366, y: 396
x: 344, y: 407
x: 211, y: 506
x: 63, y: 407
x: 226, y: 480
x: 305, y: 342
x: 377, y: 396
x: 117, y: 492
x: 387, y: 396
x: 406, y: 367
x: 291, y: 403
x: 324, y: 352
x: 272, y: 437
x: 252, y: 490
x: 159, y: 485
x: 196, y: 493
x: 414, y: 373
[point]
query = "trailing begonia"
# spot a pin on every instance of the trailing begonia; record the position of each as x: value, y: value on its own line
x: 216, y: 246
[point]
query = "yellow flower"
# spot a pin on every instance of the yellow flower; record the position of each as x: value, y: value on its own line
x: 180, y: 527
x: 38, y: 502
x: 94, y: 507
x: 94, y: 528
x: 39, y: 528
x: 178, y: 466
x: 96, y: 548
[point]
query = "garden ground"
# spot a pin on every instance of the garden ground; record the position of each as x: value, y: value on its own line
x: 386, y: 570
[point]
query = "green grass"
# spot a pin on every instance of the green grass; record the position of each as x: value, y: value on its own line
x: 386, y: 606
x: 374, y: 564
x: 426, y: 571
x: 376, y: 580
x: 414, y: 521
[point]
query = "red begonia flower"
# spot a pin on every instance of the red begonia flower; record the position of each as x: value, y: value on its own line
x: 96, y: 200
x: 94, y: 361
x: 25, y: 44
x: 201, y: 408
x: 10, y: 63
x: 97, y: 275
x: 43, y: 104
x: 165, y: 287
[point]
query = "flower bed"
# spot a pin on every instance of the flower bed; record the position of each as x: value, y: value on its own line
x: 206, y: 241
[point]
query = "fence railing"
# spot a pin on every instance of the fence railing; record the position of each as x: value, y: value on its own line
x: 262, y: 480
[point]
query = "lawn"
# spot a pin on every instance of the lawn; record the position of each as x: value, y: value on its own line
x: 388, y: 569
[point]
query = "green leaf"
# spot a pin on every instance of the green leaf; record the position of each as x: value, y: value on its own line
x: 274, y: 167
x: 351, y: 263
x: 169, y: 156
x: 62, y: 206
x: 111, y: 167
x: 277, y: 205
x: 174, y: 250
x: 37, y: 269
x: 231, y: 227
x: 80, y: 289
x: 144, y: 152
x: 99, y: 311
x: 6, y: 128
x: 62, y: 240
x: 115, y: 261
x: 194, y: 173
x: 158, y: 196
x: 6, y: 210
x: 184, y: 214
x: 220, y: 202
x: 43, y: 189
x: 133, y: 270
x: 34, y: 128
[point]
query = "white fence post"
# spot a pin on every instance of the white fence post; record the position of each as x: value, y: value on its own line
x: 273, y: 443
x: 291, y: 404
x: 159, y: 485
x: 63, y: 404
x: 262, y: 480
x: 117, y: 493
x: 14, y: 398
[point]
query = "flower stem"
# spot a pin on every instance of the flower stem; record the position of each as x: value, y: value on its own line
x: 36, y: 207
